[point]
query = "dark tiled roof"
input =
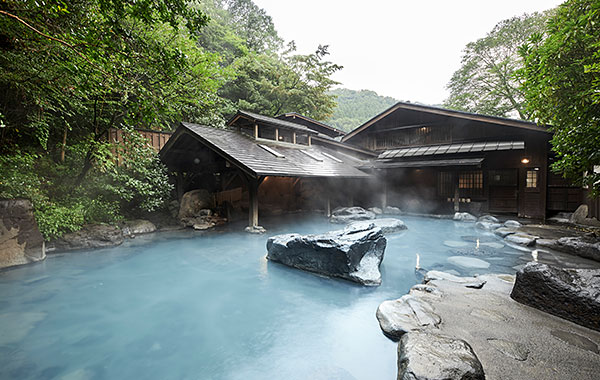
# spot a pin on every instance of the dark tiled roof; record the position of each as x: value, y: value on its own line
x: 248, y: 153
x: 447, y: 112
x: 420, y: 164
x: 428, y: 150
x: 271, y: 121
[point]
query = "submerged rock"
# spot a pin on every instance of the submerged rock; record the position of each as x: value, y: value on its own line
x: 572, y: 294
x: 408, y: 313
x: 468, y: 262
x: 255, y: 230
x: 464, y: 217
x: 90, y: 236
x: 429, y: 356
x: 511, y: 349
x: 344, y: 215
x: 20, y: 238
x: 504, y: 231
x: 387, y: 225
x: 353, y: 254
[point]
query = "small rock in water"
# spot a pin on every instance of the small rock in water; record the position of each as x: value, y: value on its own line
x: 512, y: 224
x: 468, y: 262
x: 488, y: 218
x: 376, y: 210
x: 344, y: 215
x: 255, y: 229
x: 575, y: 340
x: 387, y: 225
x: 433, y: 275
x: 464, y: 217
x: 488, y: 226
x: 392, y: 210
x: 504, y: 231
x: 493, y: 245
x: 429, y: 356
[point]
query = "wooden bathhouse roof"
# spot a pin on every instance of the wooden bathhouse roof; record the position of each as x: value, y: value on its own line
x: 254, y: 118
x: 260, y: 157
x: 311, y: 123
x: 500, y: 121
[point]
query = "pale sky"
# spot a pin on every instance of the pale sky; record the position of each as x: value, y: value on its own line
x: 407, y: 49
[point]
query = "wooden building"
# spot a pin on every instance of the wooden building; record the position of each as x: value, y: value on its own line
x: 439, y: 160
x: 259, y: 160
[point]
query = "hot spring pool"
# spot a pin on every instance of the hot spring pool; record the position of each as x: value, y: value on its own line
x: 191, y: 305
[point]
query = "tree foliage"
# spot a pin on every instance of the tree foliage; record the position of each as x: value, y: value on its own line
x: 562, y: 87
x: 356, y: 107
x: 486, y: 82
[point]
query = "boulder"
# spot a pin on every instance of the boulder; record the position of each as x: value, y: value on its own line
x: 376, y: 210
x: 353, y: 254
x: 488, y: 226
x: 387, y: 225
x: 137, y: 227
x: 204, y: 221
x: 20, y: 238
x: 572, y: 294
x: 345, y: 215
x: 429, y: 356
x: 521, y: 239
x: 90, y: 236
x: 194, y: 201
x: 464, y: 217
x: 580, y: 246
x: 408, y: 313
x: 488, y: 218
x: 580, y: 216
x: 392, y: 210
x: 512, y: 224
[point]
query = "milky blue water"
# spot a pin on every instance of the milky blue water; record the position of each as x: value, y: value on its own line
x: 191, y: 305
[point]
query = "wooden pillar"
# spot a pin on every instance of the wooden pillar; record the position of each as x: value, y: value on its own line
x: 255, y: 131
x: 276, y: 134
x: 309, y: 140
x: 294, y: 137
x: 384, y: 195
x: 253, y: 203
x: 456, y: 199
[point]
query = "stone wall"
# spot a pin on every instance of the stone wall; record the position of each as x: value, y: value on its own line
x: 20, y: 238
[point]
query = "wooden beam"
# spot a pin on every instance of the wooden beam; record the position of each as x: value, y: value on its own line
x: 255, y: 131
x: 276, y: 134
x: 294, y: 137
x: 309, y: 140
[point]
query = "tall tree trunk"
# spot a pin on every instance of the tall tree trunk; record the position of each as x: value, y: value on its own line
x: 63, y: 146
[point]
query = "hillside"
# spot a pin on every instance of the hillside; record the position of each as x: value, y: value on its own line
x: 356, y: 107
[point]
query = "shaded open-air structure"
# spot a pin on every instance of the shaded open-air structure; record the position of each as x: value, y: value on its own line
x: 285, y: 165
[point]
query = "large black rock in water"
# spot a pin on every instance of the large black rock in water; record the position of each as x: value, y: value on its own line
x: 572, y: 294
x: 353, y: 254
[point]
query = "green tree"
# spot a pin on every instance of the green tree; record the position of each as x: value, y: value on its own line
x: 270, y: 84
x: 356, y: 107
x: 561, y: 81
x: 486, y: 81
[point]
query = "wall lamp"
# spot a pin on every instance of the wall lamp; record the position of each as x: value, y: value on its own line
x: 524, y: 160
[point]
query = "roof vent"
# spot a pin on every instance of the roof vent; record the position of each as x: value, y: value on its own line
x: 272, y: 151
x: 331, y: 157
x: 312, y: 156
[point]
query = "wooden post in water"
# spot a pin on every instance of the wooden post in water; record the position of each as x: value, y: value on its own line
x: 328, y: 206
x: 384, y: 196
x: 253, y: 203
x: 456, y: 199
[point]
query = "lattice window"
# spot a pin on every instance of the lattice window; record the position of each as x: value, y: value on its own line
x: 446, y: 184
x: 531, y: 181
x: 471, y: 182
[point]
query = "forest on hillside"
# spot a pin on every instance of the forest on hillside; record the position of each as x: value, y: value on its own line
x: 356, y: 107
